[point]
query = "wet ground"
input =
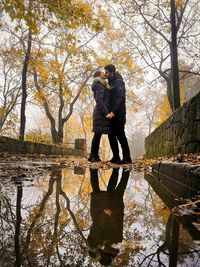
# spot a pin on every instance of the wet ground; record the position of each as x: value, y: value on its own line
x: 53, y: 215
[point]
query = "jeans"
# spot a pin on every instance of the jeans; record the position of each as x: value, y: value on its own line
x: 118, y: 131
x: 96, y: 142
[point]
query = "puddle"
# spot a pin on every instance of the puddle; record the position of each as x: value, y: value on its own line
x: 89, y: 217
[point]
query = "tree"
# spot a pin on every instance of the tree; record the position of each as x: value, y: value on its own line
x: 24, y: 85
x: 10, y: 88
x: 148, y: 28
x: 60, y: 76
x: 174, y: 58
x: 34, y: 15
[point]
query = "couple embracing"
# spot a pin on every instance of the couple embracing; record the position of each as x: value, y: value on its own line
x: 109, y: 115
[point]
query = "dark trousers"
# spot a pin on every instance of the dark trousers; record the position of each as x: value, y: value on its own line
x: 118, y: 131
x: 96, y: 142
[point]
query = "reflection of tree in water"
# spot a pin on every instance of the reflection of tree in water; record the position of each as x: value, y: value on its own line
x: 10, y: 222
x: 51, y: 238
x: 171, y: 248
x: 176, y: 245
x: 18, y: 225
x: 50, y: 235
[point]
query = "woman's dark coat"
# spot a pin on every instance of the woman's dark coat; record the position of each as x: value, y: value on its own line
x: 102, y: 97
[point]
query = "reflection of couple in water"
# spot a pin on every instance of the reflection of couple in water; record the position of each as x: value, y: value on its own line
x: 107, y: 212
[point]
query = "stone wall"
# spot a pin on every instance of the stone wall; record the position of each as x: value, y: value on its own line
x: 180, y: 133
x: 174, y: 181
x: 16, y: 146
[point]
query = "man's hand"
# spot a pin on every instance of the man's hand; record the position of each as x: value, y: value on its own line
x: 112, y: 114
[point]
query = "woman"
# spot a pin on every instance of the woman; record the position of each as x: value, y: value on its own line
x: 101, y: 121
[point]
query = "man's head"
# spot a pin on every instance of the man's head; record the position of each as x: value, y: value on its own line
x: 109, y: 71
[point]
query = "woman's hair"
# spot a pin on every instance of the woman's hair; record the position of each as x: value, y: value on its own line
x: 97, y: 74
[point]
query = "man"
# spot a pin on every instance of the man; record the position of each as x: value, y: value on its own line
x: 118, y: 115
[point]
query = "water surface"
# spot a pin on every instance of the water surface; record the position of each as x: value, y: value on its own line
x: 88, y: 217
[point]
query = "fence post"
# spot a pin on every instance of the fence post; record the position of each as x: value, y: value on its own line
x: 80, y: 144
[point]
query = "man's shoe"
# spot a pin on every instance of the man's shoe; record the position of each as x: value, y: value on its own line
x: 115, y: 160
x: 94, y: 159
x: 126, y: 161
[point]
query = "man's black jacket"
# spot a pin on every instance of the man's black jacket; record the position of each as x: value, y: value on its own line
x: 118, y: 96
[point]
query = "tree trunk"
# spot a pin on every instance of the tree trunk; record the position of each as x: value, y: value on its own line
x: 1, y: 124
x: 83, y: 126
x: 174, y: 59
x: 172, y: 239
x: 54, y: 135
x: 60, y: 112
x: 60, y: 134
x: 57, y: 136
x: 24, y: 87
x: 169, y: 93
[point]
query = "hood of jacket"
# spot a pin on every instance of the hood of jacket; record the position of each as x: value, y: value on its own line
x: 102, y: 81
